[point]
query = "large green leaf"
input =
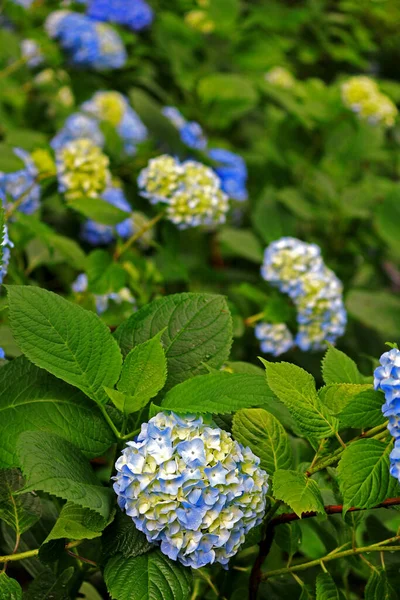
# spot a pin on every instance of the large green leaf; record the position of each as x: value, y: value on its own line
x: 337, y: 367
x: 151, y: 576
x: 9, y: 588
x: 49, y: 586
x: 297, y: 490
x: 265, y: 436
x: 143, y: 375
x: 378, y: 587
x: 104, y: 275
x: 32, y: 399
x: 219, y: 393
x: 296, y: 389
x: 198, y: 330
x: 20, y: 512
x: 50, y: 464
x: 76, y: 523
x: 364, y: 477
x: 66, y: 340
x: 376, y: 310
x: 326, y: 588
x: 99, y: 210
x: 242, y: 243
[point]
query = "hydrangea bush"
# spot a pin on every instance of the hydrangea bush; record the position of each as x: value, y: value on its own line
x: 199, y: 269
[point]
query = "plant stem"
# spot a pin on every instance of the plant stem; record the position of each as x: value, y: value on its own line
x: 138, y: 234
x: 251, y: 320
x: 110, y: 421
x: 32, y: 553
x: 13, y: 67
x: 329, y: 557
x: 130, y: 435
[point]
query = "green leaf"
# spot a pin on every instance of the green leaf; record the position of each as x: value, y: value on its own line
x: 66, y: 340
x: 143, y: 375
x: 104, y: 275
x: 76, y: 523
x: 20, y: 512
x: 364, y: 477
x: 226, y: 97
x: 296, y: 389
x: 32, y: 399
x: 363, y: 410
x: 388, y: 219
x: 326, y: 588
x: 98, y: 210
x: 376, y: 310
x: 288, y: 537
x: 122, y: 537
x: 337, y: 367
x: 242, y: 243
x: 265, y: 436
x: 9, y: 588
x: 218, y: 393
x: 48, y: 586
x: 297, y: 490
x: 336, y: 396
x: 198, y: 331
x: 378, y: 587
x: 151, y: 576
x: 50, y: 464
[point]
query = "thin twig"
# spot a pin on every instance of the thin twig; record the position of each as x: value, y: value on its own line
x: 138, y: 234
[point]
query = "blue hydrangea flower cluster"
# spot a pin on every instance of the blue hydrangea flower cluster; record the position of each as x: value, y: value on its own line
x: 112, y: 107
x: 5, y: 254
x: 387, y: 379
x: 2, y: 354
x: 230, y: 168
x: 102, y: 301
x: 192, y: 488
x: 30, y: 50
x: 297, y: 269
x: 21, y: 186
x: 76, y: 127
x: 87, y: 42
x: 276, y: 339
x: 98, y: 234
x: 191, y: 191
x: 135, y: 14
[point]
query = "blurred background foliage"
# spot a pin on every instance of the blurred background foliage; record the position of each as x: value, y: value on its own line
x: 315, y: 171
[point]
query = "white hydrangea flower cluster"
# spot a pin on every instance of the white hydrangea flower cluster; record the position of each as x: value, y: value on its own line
x: 191, y: 191
x: 297, y: 269
x: 82, y: 169
x: 191, y: 487
x: 280, y: 77
x: 361, y: 94
x: 275, y: 338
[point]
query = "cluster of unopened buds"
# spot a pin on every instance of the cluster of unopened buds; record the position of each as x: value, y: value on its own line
x: 190, y: 191
x: 387, y: 379
x: 361, y: 94
x: 191, y: 488
x: 298, y: 270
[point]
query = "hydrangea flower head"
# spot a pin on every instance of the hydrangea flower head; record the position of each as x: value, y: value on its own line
x: 2, y: 354
x: 280, y: 77
x: 5, y: 254
x: 232, y: 171
x: 21, y: 186
x: 114, y: 108
x: 191, y: 191
x: 31, y: 52
x: 82, y: 170
x: 87, y: 43
x: 98, y: 234
x: 135, y: 14
x: 275, y: 338
x: 76, y: 127
x: 190, y: 132
x: 387, y: 379
x: 199, y: 20
x: 297, y: 269
x: 361, y: 94
x: 191, y: 488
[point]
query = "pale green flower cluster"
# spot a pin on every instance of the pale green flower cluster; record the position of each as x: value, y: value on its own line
x: 191, y: 191
x: 82, y: 170
x: 280, y: 77
x: 361, y: 94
